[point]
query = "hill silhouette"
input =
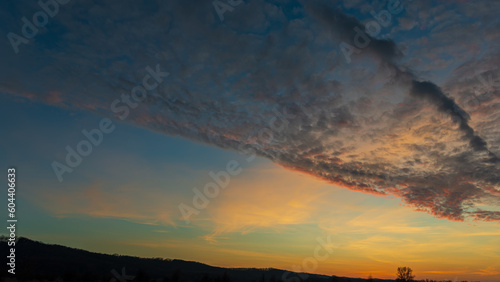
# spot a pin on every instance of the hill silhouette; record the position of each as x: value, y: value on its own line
x: 44, y: 262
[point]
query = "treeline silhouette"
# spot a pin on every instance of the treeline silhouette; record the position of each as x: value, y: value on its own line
x: 44, y: 262
x: 36, y: 261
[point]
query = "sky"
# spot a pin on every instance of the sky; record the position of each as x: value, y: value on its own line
x: 248, y: 133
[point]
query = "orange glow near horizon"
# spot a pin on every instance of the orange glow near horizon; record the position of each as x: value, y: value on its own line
x: 251, y: 225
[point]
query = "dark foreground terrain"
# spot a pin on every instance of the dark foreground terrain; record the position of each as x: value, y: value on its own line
x: 36, y: 261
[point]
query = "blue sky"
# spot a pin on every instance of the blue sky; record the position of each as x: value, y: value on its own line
x: 392, y: 146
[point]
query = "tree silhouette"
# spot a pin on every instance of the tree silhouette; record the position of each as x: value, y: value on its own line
x: 405, y: 274
x: 370, y: 278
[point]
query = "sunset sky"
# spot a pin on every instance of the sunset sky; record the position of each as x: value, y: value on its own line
x: 384, y: 144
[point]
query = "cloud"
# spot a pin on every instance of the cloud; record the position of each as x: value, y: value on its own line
x: 348, y: 28
x: 375, y: 125
x: 487, y: 271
